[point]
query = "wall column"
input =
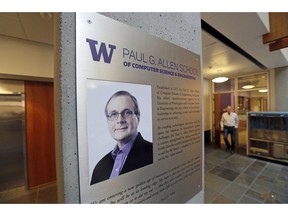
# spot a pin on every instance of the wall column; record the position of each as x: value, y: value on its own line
x: 65, y: 108
x: 281, y: 89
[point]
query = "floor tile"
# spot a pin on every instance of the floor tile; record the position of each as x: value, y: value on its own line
x: 268, y: 197
x: 282, y: 181
x: 221, y: 199
x: 247, y: 200
x: 264, y: 186
x: 218, y: 154
x: 47, y: 195
x: 272, y: 169
x: 241, y: 159
x: 17, y: 192
x: 284, y: 170
x: 255, y: 168
x: 218, y: 184
x: 274, y: 166
x: 224, y: 173
x: 280, y: 197
x: 209, y: 195
x: 234, y: 191
x: 252, y: 172
x: 267, y: 179
x: 208, y: 150
x: 235, y: 166
x: 283, y: 174
x: 255, y: 195
x: 278, y: 188
x: 213, y: 160
x: 221, y: 154
x: 245, y: 180
x: 259, y: 163
x: 258, y: 181
x: 1, y: 195
x: 24, y: 199
x: 208, y: 166
x: 261, y: 188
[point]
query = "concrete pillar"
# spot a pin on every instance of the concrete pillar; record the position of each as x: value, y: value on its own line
x: 65, y: 108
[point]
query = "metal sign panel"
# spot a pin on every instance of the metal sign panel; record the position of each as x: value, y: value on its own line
x: 139, y: 115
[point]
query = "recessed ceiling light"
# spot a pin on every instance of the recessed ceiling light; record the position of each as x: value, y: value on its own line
x: 220, y: 79
x: 263, y: 90
x: 248, y: 86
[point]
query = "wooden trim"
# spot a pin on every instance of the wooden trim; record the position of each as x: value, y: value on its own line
x: 279, y: 44
x: 278, y: 27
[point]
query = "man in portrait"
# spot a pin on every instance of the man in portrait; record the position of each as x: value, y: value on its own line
x: 131, y: 150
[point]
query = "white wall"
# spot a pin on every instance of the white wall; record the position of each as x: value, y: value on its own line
x: 11, y: 86
x: 25, y: 58
x: 281, y: 89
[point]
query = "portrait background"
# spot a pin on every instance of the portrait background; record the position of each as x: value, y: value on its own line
x: 99, y: 139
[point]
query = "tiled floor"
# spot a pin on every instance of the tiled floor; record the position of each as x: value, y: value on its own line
x: 229, y: 178
x: 44, y: 194
x: 235, y: 178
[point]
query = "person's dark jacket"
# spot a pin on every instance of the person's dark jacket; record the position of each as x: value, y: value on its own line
x: 140, y: 155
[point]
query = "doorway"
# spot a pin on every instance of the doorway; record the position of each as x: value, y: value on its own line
x: 242, y: 100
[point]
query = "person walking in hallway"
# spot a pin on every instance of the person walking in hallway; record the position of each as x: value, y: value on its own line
x: 229, y: 124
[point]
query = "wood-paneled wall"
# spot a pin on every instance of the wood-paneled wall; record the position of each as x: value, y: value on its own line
x: 278, y: 35
x: 40, y: 141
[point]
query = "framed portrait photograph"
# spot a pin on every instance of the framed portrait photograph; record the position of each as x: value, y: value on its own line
x: 120, y: 122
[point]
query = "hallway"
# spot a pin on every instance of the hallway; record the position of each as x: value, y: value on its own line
x: 241, y: 179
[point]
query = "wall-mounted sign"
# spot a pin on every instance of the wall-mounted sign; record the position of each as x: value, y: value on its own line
x: 139, y: 115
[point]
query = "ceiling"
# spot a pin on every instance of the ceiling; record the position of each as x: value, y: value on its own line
x: 244, y: 29
x: 28, y: 26
x: 220, y: 60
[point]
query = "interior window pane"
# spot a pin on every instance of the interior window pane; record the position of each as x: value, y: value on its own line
x: 254, y: 81
x: 225, y: 86
x: 252, y: 101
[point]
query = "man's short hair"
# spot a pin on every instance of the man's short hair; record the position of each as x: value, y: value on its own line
x: 125, y: 93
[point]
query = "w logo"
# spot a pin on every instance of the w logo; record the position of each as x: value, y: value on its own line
x: 96, y: 54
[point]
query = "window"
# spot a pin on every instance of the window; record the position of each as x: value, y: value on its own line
x: 229, y: 85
